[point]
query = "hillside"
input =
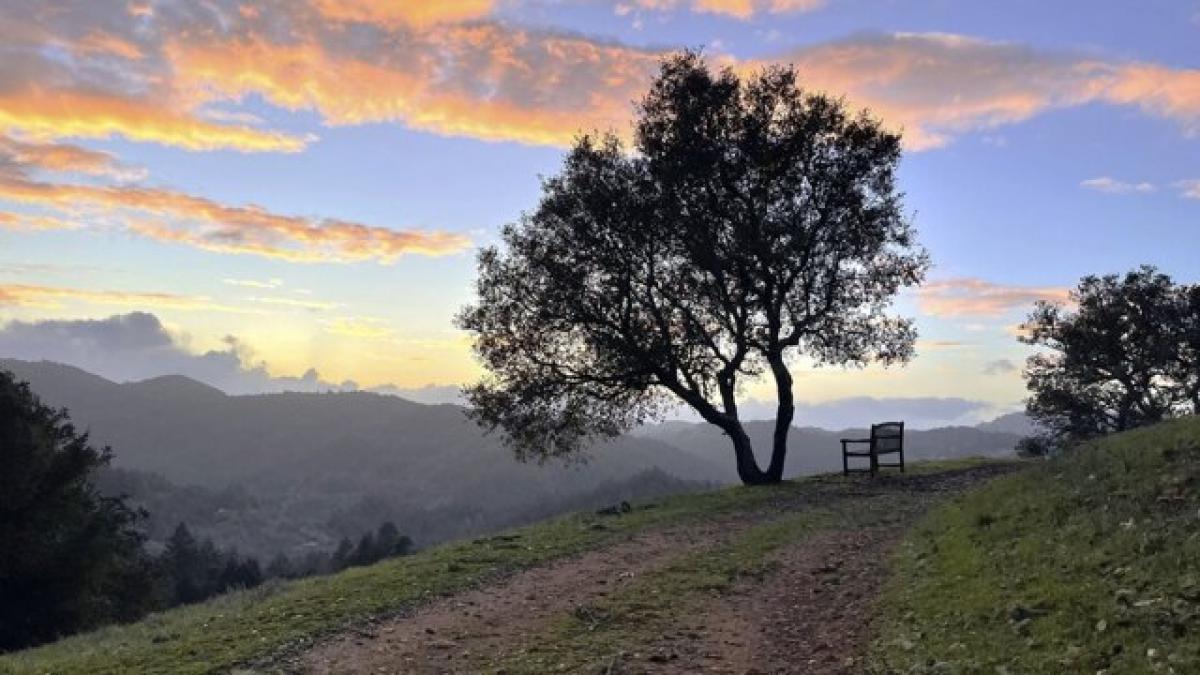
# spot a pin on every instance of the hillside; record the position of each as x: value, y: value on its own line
x: 579, y: 593
x: 1089, y: 564
x: 295, y: 472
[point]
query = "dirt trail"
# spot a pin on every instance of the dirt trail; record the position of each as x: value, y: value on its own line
x: 811, y: 615
x: 469, y: 631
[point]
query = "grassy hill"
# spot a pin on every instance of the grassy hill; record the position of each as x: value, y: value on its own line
x: 1089, y: 563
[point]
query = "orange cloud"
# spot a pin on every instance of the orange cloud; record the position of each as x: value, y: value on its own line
x: 107, y: 44
x: 443, y: 67
x: 64, y: 158
x: 45, y: 113
x: 744, y: 9
x: 976, y: 297
x: 403, y: 13
x: 495, y: 82
x: 741, y: 9
x: 52, y: 297
x: 25, y: 221
x: 938, y: 86
x: 178, y: 217
x: 545, y: 89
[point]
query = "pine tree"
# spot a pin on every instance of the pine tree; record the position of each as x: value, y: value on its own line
x: 70, y: 559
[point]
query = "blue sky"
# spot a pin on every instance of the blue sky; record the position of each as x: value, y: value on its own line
x: 301, y: 185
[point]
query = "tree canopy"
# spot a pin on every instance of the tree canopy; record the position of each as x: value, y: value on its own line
x: 750, y: 223
x: 70, y: 559
x: 1123, y: 355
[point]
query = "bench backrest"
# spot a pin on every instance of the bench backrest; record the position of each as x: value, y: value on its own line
x: 887, y: 437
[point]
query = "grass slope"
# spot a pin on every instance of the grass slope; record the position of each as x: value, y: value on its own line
x: 244, y: 627
x: 1088, y: 563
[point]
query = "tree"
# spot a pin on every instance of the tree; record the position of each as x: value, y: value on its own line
x: 751, y: 224
x: 280, y: 567
x: 185, y: 569
x: 1124, y: 357
x: 390, y: 542
x: 341, y: 557
x: 1186, y: 370
x: 70, y: 559
x: 365, y: 553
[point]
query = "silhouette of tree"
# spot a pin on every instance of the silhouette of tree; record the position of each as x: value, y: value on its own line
x: 70, y: 559
x: 365, y: 553
x: 1123, y: 358
x: 752, y: 223
x: 1186, y: 369
x: 280, y: 567
x: 239, y: 573
x: 342, y: 555
x: 390, y: 542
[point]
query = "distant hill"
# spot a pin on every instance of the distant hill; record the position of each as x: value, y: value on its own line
x: 1013, y: 423
x: 296, y: 471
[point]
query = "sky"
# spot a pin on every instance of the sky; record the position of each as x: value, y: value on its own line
x: 290, y: 194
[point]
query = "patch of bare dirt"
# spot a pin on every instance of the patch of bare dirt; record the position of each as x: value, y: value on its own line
x: 811, y: 615
x: 469, y: 631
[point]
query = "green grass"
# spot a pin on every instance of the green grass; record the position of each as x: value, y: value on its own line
x: 1087, y: 563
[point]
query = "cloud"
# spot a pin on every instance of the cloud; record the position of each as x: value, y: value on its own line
x: 488, y: 81
x: 49, y: 114
x: 999, y: 367
x: 252, y: 283
x: 1116, y: 187
x: 22, y: 156
x: 1189, y: 189
x: 938, y: 86
x: 450, y: 68
x: 137, y: 346
x: 403, y: 13
x: 941, y: 345
x: 178, y: 217
x: 976, y: 297
x: 51, y: 297
x: 312, y: 305
x: 741, y: 9
x: 35, y: 222
x: 83, y: 70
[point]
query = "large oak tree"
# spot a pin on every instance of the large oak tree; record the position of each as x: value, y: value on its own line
x: 1124, y: 353
x: 751, y: 223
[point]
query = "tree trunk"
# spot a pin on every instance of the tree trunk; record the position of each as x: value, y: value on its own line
x: 783, y: 415
x: 747, y: 466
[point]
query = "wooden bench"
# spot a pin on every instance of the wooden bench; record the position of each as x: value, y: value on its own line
x: 886, y: 439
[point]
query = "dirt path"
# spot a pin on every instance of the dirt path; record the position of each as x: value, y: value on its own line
x: 810, y: 615
x: 469, y: 631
